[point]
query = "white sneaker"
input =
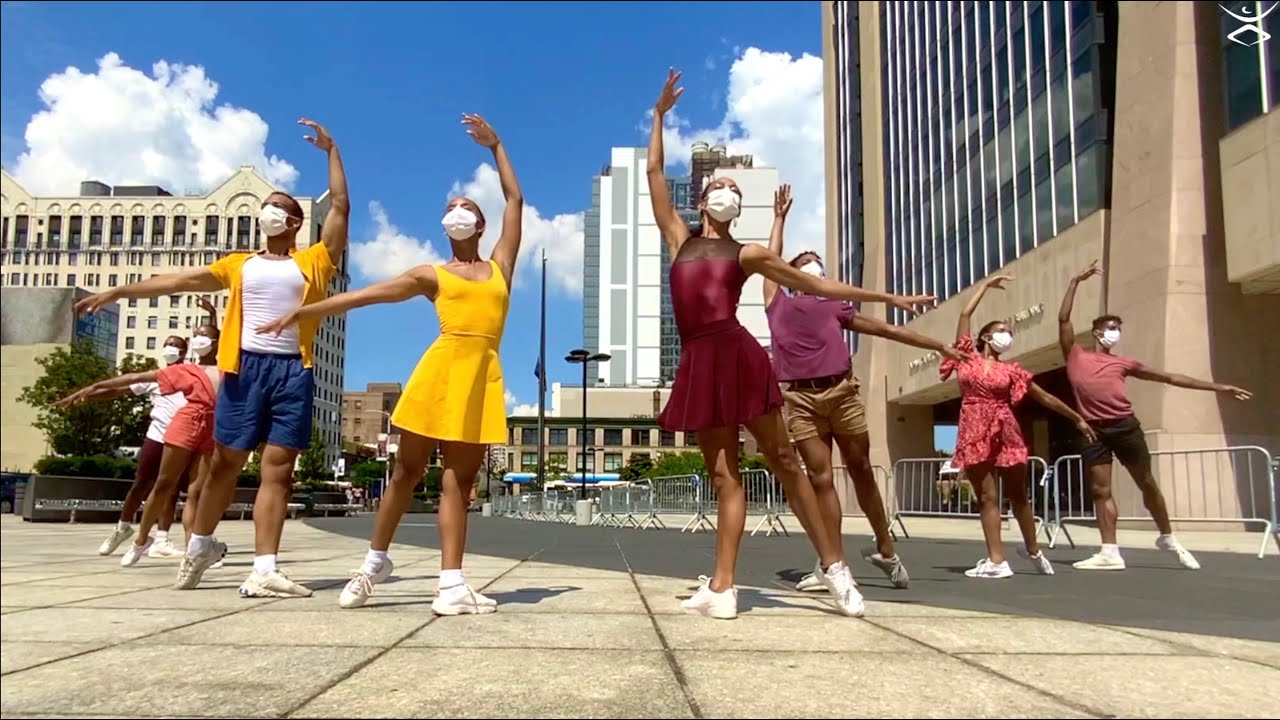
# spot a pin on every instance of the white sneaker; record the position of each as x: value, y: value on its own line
x: 891, y: 567
x: 164, y: 551
x: 810, y: 583
x: 273, y: 584
x: 360, y: 587
x: 709, y: 603
x: 193, y: 567
x: 462, y: 600
x: 1169, y: 542
x: 1100, y: 561
x: 117, y: 537
x: 1039, y: 560
x: 838, y: 580
x: 988, y: 570
x: 135, y: 553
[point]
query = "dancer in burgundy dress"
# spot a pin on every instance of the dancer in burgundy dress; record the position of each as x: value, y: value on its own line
x: 989, y: 444
x: 725, y: 379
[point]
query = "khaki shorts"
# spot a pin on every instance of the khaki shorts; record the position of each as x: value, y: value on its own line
x: 833, y: 410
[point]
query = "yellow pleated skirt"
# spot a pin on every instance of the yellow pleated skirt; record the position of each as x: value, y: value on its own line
x: 456, y: 393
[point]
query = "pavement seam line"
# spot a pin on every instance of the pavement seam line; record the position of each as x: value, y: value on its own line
x: 988, y: 671
x: 378, y: 655
x: 667, y: 652
x: 1191, y: 650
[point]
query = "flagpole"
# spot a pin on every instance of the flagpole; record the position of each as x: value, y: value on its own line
x: 542, y: 377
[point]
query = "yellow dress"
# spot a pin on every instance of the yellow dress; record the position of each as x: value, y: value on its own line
x: 456, y: 391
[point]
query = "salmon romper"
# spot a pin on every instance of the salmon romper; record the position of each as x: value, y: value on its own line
x: 192, y: 426
x: 989, y: 433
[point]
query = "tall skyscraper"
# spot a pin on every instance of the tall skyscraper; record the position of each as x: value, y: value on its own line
x: 105, y: 237
x: 1030, y: 138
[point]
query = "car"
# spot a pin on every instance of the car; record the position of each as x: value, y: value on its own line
x: 8, y: 486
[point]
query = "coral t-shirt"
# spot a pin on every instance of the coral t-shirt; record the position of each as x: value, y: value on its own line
x: 1097, y: 379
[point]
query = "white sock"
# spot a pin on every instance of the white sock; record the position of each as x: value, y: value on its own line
x: 373, y: 561
x: 122, y: 525
x: 199, y: 544
x: 1112, y: 551
x: 162, y: 536
x: 264, y: 564
x: 450, y: 579
x: 1169, y: 539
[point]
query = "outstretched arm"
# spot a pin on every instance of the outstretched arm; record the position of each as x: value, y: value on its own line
x: 1039, y: 395
x: 964, y: 326
x: 508, y: 247
x: 335, y: 229
x: 1185, y: 381
x: 201, y: 280
x: 1066, y: 333
x: 864, y: 325
x: 420, y: 280
x: 781, y: 206
x: 673, y: 229
x: 758, y: 259
x: 107, y: 388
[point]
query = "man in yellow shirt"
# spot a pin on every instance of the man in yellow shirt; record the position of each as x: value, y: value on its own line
x: 267, y: 394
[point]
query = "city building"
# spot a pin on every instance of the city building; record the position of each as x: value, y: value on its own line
x: 1030, y: 138
x: 621, y: 422
x: 33, y: 323
x: 367, y: 414
x: 105, y: 237
x: 627, y: 309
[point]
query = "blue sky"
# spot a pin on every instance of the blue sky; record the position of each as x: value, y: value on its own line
x: 561, y: 83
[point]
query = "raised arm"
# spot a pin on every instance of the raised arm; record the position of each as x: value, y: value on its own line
x: 781, y: 206
x: 201, y: 280
x: 1066, y: 333
x: 420, y: 280
x: 864, y: 325
x: 207, y: 306
x: 107, y: 388
x: 672, y: 227
x: 508, y: 247
x: 334, y: 232
x: 1186, y: 381
x: 964, y: 326
x: 1038, y: 394
x: 759, y: 259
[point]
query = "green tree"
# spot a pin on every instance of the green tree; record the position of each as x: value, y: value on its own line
x: 636, y: 469
x: 557, y: 468
x: 313, y: 469
x: 92, y: 428
x: 752, y: 462
x: 432, y: 481
x: 678, y: 463
x: 366, y: 474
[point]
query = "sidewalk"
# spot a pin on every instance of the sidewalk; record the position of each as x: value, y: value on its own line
x: 80, y: 636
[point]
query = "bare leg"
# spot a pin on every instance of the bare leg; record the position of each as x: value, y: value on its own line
x: 173, y: 463
x: 989, y: 512
x: 1015, y: 489
x: 271, y: 505
x: 199, y: 477
x: 219, y: 489
x: 856, y: 451
x: 719, y: 448
x: 771, y: 435
x: 411, y: 461
x: 1104, y: 505
x: 816, y: 454
x: 138, y: 492
x: 1152, y: 498
x: 461, y: 463
x: 165, y: 521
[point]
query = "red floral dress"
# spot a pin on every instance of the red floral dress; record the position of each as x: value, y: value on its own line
x: 989, y: 432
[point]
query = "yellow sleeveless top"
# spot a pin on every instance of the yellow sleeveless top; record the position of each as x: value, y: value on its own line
x: 456, y: 392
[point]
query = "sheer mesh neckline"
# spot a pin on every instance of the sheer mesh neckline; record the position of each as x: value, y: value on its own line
x: 700, y: 248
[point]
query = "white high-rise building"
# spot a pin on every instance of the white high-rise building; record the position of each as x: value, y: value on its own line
x: 105, y: 237
x: 627, y: 305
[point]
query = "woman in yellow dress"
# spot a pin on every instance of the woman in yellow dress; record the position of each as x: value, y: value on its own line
x: 454, y: 399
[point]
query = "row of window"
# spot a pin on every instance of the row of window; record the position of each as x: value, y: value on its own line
x: 529, y: 461
x: 608, y: 437
x: 54, y: 231
x: 182, y: 258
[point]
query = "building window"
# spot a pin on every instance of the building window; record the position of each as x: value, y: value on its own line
x: 153, y: 322
x: 639, y: 437
x: 612, y: 462
x: 151, y: 343
x: 590, y: 458
x: 528, y: 436
x: 666, y: 438
x: 131, y: 322
x: 589, y: 434
x: 613, y: 437
x: 128, y: 343
x: 558, y: 436
x: 529, y: 462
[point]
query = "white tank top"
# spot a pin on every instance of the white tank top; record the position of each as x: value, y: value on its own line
x: 269, y: 290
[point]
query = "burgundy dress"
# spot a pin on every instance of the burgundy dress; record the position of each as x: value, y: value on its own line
x: 725, y: 378
x: 989, y: 433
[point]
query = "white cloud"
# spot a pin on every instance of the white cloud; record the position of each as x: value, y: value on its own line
x: 773, y: 112
x: 121, y: 126
x: 390, y: 252
x: 517, y: 409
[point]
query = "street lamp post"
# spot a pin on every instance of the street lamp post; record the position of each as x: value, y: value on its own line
x: 585, y: 358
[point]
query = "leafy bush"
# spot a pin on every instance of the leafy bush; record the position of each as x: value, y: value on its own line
x: 88, y: 466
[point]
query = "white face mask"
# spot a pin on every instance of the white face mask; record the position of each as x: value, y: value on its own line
x: 459, y: 223
x: 1001, y: 341
x: 273, y: 220
x: 201, y: 345
x: 814, y: 269
x: 171, y: 354
x: 1109, y: 338
x: 723, y: 204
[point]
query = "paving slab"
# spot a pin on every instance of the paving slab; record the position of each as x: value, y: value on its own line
x: 1019, y: 635
x: 96, y: 625
x: 577, y: 631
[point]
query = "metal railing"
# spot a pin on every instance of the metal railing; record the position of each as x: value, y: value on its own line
x: 1227, y: 485
x: 922, y: 490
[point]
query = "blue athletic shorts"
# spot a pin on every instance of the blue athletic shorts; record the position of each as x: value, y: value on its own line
x: 269, y: 400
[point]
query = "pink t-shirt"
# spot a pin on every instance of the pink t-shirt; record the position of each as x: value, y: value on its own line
x: 807, y: 336
x: 1098, y: 381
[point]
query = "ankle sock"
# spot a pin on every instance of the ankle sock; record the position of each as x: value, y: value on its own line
x: 451, y: 579
x: 199, y: 544
x: 373, y: 561
x: 264, y: 564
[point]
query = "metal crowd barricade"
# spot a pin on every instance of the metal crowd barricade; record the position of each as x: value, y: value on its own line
x: 612, y: 507
x: 1227, y: 485
x: 763, y: 494
x: 849, y: 497
x: 683, y: 495
x: 921, y: 489
x: 647, y: 504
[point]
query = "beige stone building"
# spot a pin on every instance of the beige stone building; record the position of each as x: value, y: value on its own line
x: 1136, y: 133
x: 367, y: 413
x: 108, y: 236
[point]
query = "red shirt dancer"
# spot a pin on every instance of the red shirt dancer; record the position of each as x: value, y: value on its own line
x: 1098, y: 376
x: 989, y: 444
x: 725, y: 379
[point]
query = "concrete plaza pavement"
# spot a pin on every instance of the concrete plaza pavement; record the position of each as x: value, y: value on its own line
x: 590, y: 626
